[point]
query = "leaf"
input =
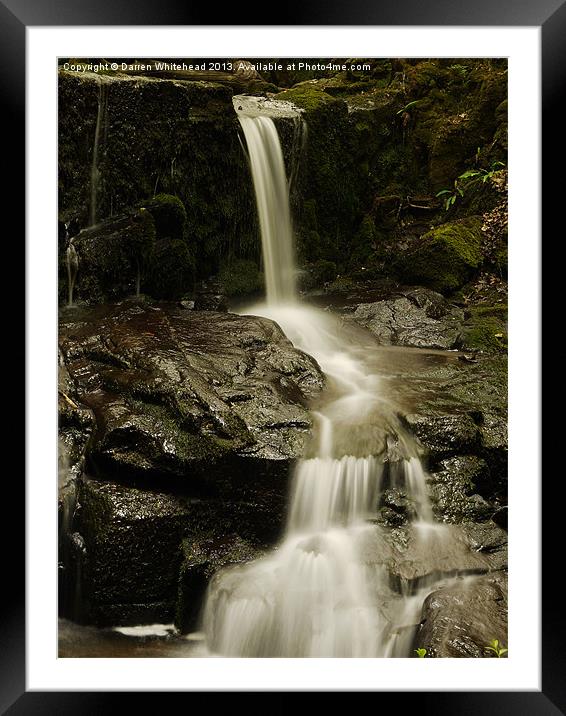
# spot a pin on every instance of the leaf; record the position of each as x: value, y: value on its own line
x: 444, y: 191
x: 469, y: 173
x: 408, y: 106
x: 502, y: 651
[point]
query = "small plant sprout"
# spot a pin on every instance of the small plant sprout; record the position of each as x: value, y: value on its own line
x: 496, y: 648
x: 421, y: 653
x: 450, y: 195
x: 409, y: 106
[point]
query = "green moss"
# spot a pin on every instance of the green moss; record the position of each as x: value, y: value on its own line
x: 169, y: 215
x: 323, y: 271
x: 445, y: 257
x: 188, y: 446
x: 307, y: 96
x: 486, y: 329
x: 241, y: 277
x: 342, y: 284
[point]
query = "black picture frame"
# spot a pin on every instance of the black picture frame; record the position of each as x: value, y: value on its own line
x: 550, y: 16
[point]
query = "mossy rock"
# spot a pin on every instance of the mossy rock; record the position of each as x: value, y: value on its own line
x: 445, y: 257
x: 169, y: 215
x: 307, y: 95
x: 172, y: 270
x: 486, y: 329
x: 110, y: 255
x: 241, y: 277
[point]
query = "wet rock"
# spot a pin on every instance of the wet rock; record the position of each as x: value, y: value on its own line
x: 420, y: 318
x: 418, y: 557
x: 132, y: 539
x: 453, y: 490
x: 446, y: 435
x: 210, y: 296
x: 461, y: 621
x: 75, y: 422
x: 494, y: 447
x: 183, y: 393
x: 109, y: 257
x: 157, y: 135
x: 136, y: 543
x: 201, y: 559
x: 487, y: 538
x: 500, y: 517
x: 394, y: 507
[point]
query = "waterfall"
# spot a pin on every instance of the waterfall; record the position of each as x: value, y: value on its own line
x: 72, y: 268
x: 272, y: 198
x: 94, y: 170
x: 315, y: 595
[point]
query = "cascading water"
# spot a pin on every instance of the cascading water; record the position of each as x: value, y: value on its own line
x: 316, y: 595
x: 72, y: 269
x: 270, y: 185
x: 94, y: 170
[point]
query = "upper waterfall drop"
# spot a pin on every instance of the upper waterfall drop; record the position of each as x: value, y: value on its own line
x: 272, y: 197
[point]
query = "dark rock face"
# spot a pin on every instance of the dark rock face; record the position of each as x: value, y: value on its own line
x: 419, y: 318
x: 109, y: 256
x: 446, y: 435
x: 453, y: 490
x: 132, y: 540
x: 461, y: 621
x: 198, y: 419
x: 178, y: 136
x: 175, y: 392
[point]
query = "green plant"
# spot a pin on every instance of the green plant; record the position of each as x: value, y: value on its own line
x: 409, y: 106
x: 482, y: 175
x: 465, y: 181
x: 450, y: 195
x: 421, y: 653
x: 496, y: 649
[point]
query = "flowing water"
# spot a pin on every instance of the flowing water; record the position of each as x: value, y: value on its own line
x: 72, y: 268
x: 317, y: 594
x: 272, y: 198
x: 338, y: 584
x: 98, y: 133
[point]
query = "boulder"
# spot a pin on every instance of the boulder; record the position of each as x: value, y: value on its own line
x: 444, y: 258
x: 453, y: 490
x: 461, y: 621
x: 446, y: 435
x: 419, y: 318
x: 147, y: 554
x: 184, y: 393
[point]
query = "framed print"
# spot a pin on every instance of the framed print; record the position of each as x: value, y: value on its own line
x: 279, y: 296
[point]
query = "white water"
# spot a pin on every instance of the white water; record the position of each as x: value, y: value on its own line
x: 72, y: 268
x: 270, y: 185
x: 315, y: 595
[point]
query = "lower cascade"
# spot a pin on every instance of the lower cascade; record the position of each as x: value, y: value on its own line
x: 315, y: 595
